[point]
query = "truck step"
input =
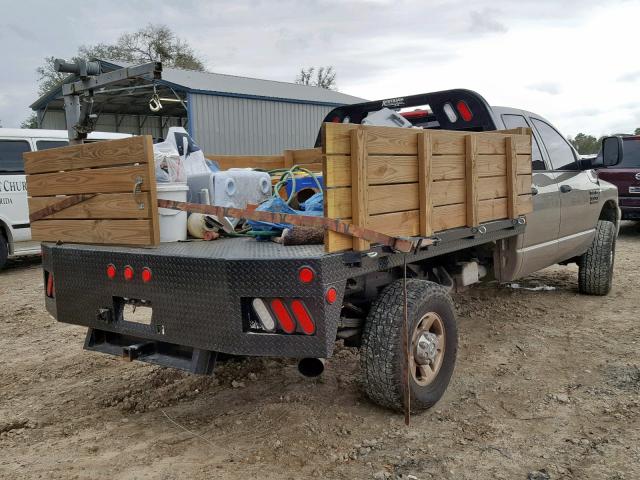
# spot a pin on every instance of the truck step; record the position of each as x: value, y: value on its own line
x: 131, y: 348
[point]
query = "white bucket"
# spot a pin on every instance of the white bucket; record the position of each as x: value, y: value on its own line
x: 173, y: 223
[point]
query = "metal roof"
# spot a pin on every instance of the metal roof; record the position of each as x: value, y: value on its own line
x: 229, y: 85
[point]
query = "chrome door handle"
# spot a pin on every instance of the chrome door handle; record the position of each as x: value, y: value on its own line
x: 534, y: 190
x: 566, y: 188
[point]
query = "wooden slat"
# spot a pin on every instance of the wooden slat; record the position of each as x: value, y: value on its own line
x: 512, y: 178
x: 444, y: 218
x: 102, y: 206
x: 126, y: 232
x: 471, y: 180
x: 406, y: 196
x: 425, y: 185
x: 262, y: 162
x: 103, y: 180
x: 403, y: 141
x: 385, y: 169
x: 89, y: 155
x: 359, y: 189
x: 306, y: 156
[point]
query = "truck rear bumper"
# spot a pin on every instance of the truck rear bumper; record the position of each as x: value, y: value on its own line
x: 201, y: 302
x: 630, y: 208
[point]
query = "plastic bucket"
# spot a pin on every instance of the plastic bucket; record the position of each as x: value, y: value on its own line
x: 173, y: 223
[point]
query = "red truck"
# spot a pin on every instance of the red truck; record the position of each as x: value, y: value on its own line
x: 626, y: 176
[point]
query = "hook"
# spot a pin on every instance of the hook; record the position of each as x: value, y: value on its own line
x: 154, y: 103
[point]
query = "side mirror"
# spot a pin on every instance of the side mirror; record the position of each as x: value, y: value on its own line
x: 611, y: 151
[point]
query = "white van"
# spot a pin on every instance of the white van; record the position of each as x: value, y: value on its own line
x: 15, y: 234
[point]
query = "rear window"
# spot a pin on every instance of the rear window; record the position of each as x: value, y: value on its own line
x: 631, y: 157
x: 11, y: 155
x: 46, y: 144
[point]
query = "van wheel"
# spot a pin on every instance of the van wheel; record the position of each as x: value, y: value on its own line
x: 595, y: 274
x: 4, y: 251
x: 433, y: 338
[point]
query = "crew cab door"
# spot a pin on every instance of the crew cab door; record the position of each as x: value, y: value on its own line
x: 579, y: 206
x: 539, y: 247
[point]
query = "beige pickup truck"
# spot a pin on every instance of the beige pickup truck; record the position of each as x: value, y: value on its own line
x: 236, y: 296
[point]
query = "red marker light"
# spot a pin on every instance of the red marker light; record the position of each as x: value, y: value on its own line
x: 111, y: 271
x: 128, y: 273
x: 331, y: 295
x: 306, y: 275
x: 146, y: 275
x: 464, y: 110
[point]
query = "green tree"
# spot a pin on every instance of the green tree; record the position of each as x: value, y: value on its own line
x: 585, y: 144
x: 30, y: 122
x: 637, y: 131
x: 151, y: 43
x: 323, y: 77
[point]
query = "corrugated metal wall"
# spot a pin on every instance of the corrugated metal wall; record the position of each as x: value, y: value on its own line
x: 231, y: 125
x: 107, y: 122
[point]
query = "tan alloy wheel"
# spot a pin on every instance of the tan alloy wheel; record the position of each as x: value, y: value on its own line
x: 427, y: 348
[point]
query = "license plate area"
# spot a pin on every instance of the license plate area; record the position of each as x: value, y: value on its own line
x: 134, y: 310
x: 634, y: 189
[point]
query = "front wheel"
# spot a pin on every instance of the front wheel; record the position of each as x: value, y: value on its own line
x: 433, y: 344
x: 595, y: 266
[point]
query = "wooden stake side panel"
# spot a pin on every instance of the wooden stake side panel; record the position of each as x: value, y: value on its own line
x: 419, y: 182
x: 116, y: 215
x: 310, y: 159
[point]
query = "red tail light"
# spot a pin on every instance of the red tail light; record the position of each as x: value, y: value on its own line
x: 464, y: 110
x: 306, y: 274
x: 111, y: 271
x: 331, y: 296
x: 51, y: 289
x: 283, y: 316
x: 303, y: 317
x: 146, y: 275
x: 128, y: 272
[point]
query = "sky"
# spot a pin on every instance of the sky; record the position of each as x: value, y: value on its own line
x: 573, y: 62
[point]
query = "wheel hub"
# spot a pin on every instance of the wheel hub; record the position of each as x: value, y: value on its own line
x: 426, y: 348
x: 426, y: 353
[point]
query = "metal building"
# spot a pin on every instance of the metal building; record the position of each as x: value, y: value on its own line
x: 225, y: 114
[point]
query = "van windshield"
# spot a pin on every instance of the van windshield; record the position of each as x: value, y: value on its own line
x: 631, y: 157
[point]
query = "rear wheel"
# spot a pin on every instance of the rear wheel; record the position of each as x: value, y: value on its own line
x: 433, y: 343
x: 4, y: 251
x: 595, y: 274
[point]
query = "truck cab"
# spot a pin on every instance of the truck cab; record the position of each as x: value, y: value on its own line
x: 568, y: 199
x: 626, y: 176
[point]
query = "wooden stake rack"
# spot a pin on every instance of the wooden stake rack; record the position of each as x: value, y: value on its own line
x: 413, y: 182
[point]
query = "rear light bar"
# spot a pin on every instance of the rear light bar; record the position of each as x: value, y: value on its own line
x: 129, y: 273
x: 278, y: 315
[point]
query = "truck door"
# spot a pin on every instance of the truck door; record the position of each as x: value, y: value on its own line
x: 578, y: 213
x: 540, y: 243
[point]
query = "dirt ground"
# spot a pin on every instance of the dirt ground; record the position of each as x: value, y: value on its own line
x: 547, y: 385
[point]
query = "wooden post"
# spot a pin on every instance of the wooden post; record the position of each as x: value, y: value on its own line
x: 359, y: 184
x: 471, y: 180
x: 425, y: 177
x: 512, y: 177
x: 288, y: 159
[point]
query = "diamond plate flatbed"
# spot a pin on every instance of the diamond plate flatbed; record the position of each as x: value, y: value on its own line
x: 200, y: 290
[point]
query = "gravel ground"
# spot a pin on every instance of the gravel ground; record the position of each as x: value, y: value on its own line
x: 547, y: 386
